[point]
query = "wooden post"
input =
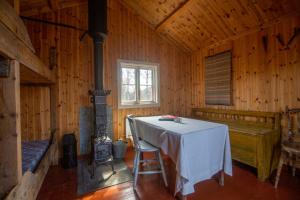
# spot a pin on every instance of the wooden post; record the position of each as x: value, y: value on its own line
x: 10, y: 130
x: 16, y: 5
x: 53, y: 124
x: 53, y: 106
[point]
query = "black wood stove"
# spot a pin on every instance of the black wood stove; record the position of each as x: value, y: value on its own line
x: 101, y: 144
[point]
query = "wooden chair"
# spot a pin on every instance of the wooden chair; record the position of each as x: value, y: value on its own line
x: 290, y: 150
x: 141, y: 147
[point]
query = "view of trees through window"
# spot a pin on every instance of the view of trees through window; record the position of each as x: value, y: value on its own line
x: 146, y: 85
x: 128, y: 84
x: 137, y: 84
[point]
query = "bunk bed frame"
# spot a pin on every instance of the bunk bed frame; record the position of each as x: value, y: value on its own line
x: 31, y: 182
x: 24, y: 67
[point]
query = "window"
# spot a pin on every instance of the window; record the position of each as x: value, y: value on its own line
x: 138, y: 84
x: 218, y: 83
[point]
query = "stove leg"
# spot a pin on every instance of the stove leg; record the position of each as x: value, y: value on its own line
x: 112, y: 167
x: 93, y: 170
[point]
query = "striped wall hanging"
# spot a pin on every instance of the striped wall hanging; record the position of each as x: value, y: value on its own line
x: 218, y: 82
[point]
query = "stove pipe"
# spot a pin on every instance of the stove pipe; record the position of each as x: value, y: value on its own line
x: 101, y: 144
x: 98, y: 62
x: 97, y: 20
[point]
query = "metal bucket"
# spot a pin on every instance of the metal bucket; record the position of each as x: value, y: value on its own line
x: 119, y: 149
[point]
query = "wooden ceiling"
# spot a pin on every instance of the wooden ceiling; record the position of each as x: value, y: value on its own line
x: 193, y: 24
x: 198, y: 23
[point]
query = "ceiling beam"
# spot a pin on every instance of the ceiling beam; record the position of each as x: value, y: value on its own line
x: 10, y: 18
x: 164, y: 36
x: 15, y: 49
x: 52, y: 5
x: 175, y: 12
x: 15, y: 4
x: 133, y: 11
x: 15, y: 43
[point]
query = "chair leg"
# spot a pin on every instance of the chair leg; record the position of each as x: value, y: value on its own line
x: 291, y: 163
x: 93, y: 169
x: 281, y: 161
x: 294, y: 165
x: 161, y: 163
x: 142, y: 158
x: 134, y: 162
x: 136, y: 169
x: 294, y: 171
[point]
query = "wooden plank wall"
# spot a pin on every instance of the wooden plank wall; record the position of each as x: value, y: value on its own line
x: 35, y: 112
x: 129, y: 38
x: 263, y: 80
x: 74, y: 68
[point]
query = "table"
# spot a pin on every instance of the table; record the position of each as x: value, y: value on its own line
x: 199, y: 149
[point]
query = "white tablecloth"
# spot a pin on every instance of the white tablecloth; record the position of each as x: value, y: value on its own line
x: 198, y: 148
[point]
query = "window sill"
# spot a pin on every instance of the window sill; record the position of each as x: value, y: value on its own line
x: 128, y: 106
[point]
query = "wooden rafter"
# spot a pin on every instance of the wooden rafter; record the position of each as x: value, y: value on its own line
x: 53, y: 4
x: 172, y: 14
x: 15, y: 4
x: 197, y: 24
x: 163, y: 35
x: 253, y: 30
x: 50, y: 6
x: 15, y: 43
x: 10, y: 19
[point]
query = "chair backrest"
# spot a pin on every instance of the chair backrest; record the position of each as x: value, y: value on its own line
x: 133, y: 130
x: 293, y: 123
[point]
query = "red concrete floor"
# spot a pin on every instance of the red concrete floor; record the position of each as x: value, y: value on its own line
x: 61, y: 184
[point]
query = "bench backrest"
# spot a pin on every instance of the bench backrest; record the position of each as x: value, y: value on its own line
x: 251, y: 118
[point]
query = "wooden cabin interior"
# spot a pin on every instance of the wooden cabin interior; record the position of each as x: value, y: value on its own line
x: 143, y: 99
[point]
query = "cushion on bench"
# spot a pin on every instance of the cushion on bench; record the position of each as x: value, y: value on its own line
x: 32, y: 153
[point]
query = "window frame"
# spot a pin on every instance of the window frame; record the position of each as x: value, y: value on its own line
x: 155, y: 83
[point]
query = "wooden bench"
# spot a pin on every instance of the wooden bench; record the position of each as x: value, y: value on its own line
x: 254, y: 136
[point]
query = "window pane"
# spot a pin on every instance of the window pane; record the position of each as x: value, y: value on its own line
x: 146, y: 93
x: 145, y: 77
x: 128, y: 76
x: 128, y: 93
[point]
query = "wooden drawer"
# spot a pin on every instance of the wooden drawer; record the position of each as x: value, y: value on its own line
x: 243, y: 148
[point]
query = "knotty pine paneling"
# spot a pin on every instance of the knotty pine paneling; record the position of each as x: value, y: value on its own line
x: 197, y: 23
x: 263, y: 80
x: 74, y: 63
x: 128, y: 38
x: 35, y: 112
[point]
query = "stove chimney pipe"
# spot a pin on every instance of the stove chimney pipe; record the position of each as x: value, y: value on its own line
x: 97, y: 13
